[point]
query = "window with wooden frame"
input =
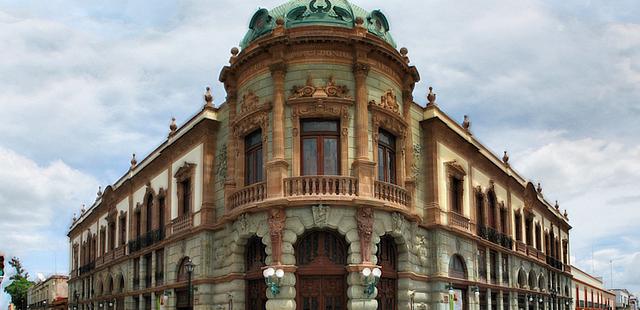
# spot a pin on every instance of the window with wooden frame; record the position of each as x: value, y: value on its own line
x: 123, y: 228
x: 493, y: 256
x: 505, y: 268
x: 456, y: 174
x: 137, y: 217
x: 482, y: 264
x: 149, y: 212
x: 184, y: 180
x: 253, y: 158
x: 538, y: 237
x: 518, y: 223
x: 161, y: 206
x: 528, y: 227
x: 103, y: 240
x: 386, y: 157
x: 492, y: 209
x: 565, y: 251
x: 255, y: 287
x: 480, y: 223
x: 320, y: 147
x: 504, y: 220
x: 112, y: 235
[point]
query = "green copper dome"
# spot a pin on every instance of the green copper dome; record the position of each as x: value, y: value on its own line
x: 300, y: 13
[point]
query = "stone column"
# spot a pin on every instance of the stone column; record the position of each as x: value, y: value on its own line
x: 153, y: 298
x: 363, y: 167
x: 232, y: 145
x: 141, y: 301
x: 488, y: 299
x: 277, y: 168
x: 357, y: 299
x: 153, y: 269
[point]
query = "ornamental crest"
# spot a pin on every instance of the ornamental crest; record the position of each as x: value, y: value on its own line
x: 398, y: 222
x: 388, y: 101
x: 331, y: 89
x: 318, y: 10
x: 320, y: 215
x: 251, y: 103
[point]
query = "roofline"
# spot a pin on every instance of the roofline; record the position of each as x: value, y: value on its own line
x: 433, y: 111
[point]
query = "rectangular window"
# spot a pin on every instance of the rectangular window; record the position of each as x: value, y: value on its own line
x: 123, y: 230
x: 505, y: 269
x: 253, y: 168
x: 112, y: 235
x: 136, y: 272
x: 103, y: 242
x: 160, y: 267
x: 538, y: 237
x: 386, y: 157
x: 493, y: 256
x: 482, y: 264
x: 138, y: 223
x: 147, y: 270
x: 456, y: 194
x: 504, y: 221
x: 161, y: 213
x: 528, y: 226
x: 518, y: 223
x: 186, y: 196
x: 320, y: 147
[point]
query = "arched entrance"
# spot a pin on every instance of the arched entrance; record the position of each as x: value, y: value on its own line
x: 256, y: 289
x: 321, y: 283
x: 388, y: 285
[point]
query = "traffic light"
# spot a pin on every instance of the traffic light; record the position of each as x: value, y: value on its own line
x: 1, y: 267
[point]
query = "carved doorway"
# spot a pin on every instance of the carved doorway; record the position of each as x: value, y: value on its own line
x: 256, y: 289
x: 388, y: 286
x: 321, y: 283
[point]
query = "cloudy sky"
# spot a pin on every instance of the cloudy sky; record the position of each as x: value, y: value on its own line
x: 83, y: 84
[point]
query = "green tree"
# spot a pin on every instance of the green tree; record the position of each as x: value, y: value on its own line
x: 19, y: 286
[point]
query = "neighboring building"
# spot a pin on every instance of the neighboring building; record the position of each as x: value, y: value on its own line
x: 320, y: 164
x: 623, y: 298
x: 589, y: 292
x: 49, y: 294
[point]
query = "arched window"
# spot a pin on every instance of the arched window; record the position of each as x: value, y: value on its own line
x: 320, y: 147
x: 522, y: 279
x: 253, y: 166
x: 491, y: 204
x: 532, y: 279
x: 255, y: 257
x: 386, y: 157
x: 161, y: 206
x: 480, y: 212
x: 457, y: 267
x: 183, y: 275
x: 388, y: 285
x: 541, y: 282
x: 99, y: 289
x: 149, y: 211
x: 122, y: 284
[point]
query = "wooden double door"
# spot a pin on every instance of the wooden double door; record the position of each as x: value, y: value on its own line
x: 321, y: 257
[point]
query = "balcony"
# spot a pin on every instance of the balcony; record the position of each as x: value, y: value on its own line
x: 87, y: 268
x: 146, y: 240
x: 182, y: 223
x: 554, y: 262
x: 521, y: 247
x: 324, y: 186
x: 392, y: 193
x: 119, y: 252
x: 458, y: 221
x: 251, y: 194
x: 496, y: 237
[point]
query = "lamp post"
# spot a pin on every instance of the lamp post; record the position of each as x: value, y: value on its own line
x: 371, y: 278
x: 273, y: 284
x: 190, y: 265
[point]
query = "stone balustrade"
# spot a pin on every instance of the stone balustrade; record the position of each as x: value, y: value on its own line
x: 458, y: 221
x: 321, y: 185
x: 392, y: 193
x: 249, y: 194
x: 182, y: 223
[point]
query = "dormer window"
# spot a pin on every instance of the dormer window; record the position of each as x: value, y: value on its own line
x: 320, y: 147
x: 253, y: 158
x: 386, y: 157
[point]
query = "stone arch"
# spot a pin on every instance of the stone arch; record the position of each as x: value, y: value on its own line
x: 533, y: 280
x: 181, y: 270
x: 542, y: 283
x: 99, y: 287
x: 121, y: 283
x: 457, y: 267
x: 522, y: 278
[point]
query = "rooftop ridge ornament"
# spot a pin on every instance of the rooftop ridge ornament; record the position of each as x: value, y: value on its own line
x: 208, y: 98
x: 173, y: 127
x: 566, y: 215
x: 505, y: 158
x: 539, y: 189
x: 466, y: 123
x: 404, y: 51
x: 99, y: 193
x: 557, y: 206
x: 234, y: 55
x: 431, y: 97
x: 134, y: 162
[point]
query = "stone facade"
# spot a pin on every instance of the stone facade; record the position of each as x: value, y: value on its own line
x: 49, y: 294
x: 411, y: 191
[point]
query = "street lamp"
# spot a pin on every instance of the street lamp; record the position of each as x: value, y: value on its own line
x: 190, y: 266
x: 273, y: 285
x: 370, y: 279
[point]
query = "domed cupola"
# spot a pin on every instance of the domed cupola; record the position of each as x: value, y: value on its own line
x: 300, y: 13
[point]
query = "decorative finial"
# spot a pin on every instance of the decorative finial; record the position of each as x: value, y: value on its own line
x: 359, y: 21
x: 208, y: 98
x: 539, y: 188
x: 82, y: 210
x: 173, y: 127
x: 75, y: 217
x: 431, y: 97
x: 466, y: 124
x: 404, y: 51
x: 134, y: 162
x: 99, y: 193
x: 505, y: 158
x: 557, y: 205
x: 566, y: 215
x: 280, y: 21
x: 234, y: 54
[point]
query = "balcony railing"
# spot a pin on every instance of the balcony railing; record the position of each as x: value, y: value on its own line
x: 554, y: 262
x: 119, y: 252
x: 495, y: 236
x: 320, y: 185
x: 521, y: 247
x: 458, y: 220
x: 146, y: 240
x: 250, y: 194
x: 391, y: 192
x: 87, y: 267
x: 182, y: 223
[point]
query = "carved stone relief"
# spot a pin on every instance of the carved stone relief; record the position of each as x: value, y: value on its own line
x: 277, y: 219
x: 364, y: 217
x: 320, y: 215
x: 331, y: 89
x: 398, y: 222
x: 388, y: 102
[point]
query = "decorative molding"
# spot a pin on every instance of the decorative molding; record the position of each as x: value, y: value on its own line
x: 320, y: 215
x: 251, y: 103
x: 277, y: 219
x: 185, y: 171
x: 364, y: 217
x: 331, y: 89
x: 398, y: 222
x: 388, y: 102
x: 456, y: 170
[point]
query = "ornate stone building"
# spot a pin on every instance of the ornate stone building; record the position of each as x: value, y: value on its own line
x: 49, y: 294
x: 320, y: 165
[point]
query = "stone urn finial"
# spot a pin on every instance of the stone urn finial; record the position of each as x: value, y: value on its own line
x: 404, y: 51
x: 82, y: 209
x: 75, y: 218
x: 431, y: 97
x: 557, y: 206
x: 539, y: 188
x: 134, y: 162
x: 466, y: 123
x: 566, y: 215
x: 234, y: 55
x: 208, y: 98
x: 173, y: 127
x: 505, y: 158
x: 99, y: 193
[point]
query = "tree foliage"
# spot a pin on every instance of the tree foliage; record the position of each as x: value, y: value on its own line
x: 20, y: 284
